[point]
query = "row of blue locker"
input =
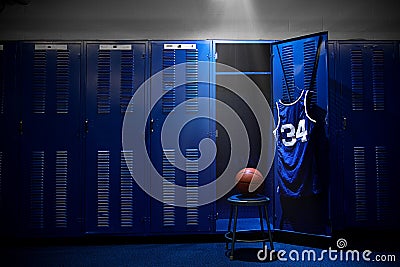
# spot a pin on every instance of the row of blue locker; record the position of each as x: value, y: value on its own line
x: 64, y: 171
x: 63, y: 104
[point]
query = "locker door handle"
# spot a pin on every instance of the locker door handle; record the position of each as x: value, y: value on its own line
x: 21, y: 127
x: 86, y: 126
x: 344, y: 123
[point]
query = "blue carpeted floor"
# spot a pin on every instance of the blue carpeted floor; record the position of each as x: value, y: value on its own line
x: 171, y: 254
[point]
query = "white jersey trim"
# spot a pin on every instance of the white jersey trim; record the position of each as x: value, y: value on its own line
x: 305, y: 108
x: 290, y: 104
x: 279, y: 121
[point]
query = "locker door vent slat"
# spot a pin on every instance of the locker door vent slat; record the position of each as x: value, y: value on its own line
x: 168, y: 170
x: 357, y: 86
x: 382, y: 184
x: 126, y: 197
x: 288, y: 69
x: 62, y: 82
x: 310, y: 52
x: 169, y: 98
x: 192, y: 74
x: 103, y: 82
x: 192, y: 183
x: 39, y: 82
x: 61, y: 189
x: 37, y: 190
x: 127, y: 79
x: 103, y: 188
x: 378, y: 84
x: 360, y: 184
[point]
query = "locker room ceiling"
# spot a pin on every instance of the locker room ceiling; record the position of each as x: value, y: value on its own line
x: 207, y: 19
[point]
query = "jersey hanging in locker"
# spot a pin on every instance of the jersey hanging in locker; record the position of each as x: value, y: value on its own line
x: 295, y: 147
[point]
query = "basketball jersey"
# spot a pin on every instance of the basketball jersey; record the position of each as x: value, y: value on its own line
x: 294, y: 147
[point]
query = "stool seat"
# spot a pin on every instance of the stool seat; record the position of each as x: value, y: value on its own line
x: 242, y: 200
x: 248, y: 200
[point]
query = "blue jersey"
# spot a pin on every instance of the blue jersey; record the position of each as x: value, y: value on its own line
x: 294, y: 147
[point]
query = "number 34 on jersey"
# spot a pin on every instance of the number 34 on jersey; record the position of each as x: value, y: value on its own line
x: 290, y: 135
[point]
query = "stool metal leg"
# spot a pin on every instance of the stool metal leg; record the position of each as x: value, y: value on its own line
x: 269, y: 229
x: 261, y: 223
x: 229, y: 225
x: 234, y: 232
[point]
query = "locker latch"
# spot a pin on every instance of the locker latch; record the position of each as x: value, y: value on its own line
x: 21, y: 127
x: 151, y: 125
x: 86, y: 126
x: 145, y: 219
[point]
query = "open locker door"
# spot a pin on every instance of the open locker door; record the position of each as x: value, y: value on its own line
x: 301, y: 173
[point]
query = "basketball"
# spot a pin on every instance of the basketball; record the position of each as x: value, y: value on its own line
x: 248, y: 176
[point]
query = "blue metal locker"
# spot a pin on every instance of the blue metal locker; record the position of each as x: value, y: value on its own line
x: 114, y: 202
x: 9, y: 146
x: 51, y: 203
x: 165, y: 56
x: 301, y: 63
x: 367, y: 79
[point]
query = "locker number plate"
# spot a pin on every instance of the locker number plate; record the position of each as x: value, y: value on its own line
x: 179, y: 46
x: 51, y: 47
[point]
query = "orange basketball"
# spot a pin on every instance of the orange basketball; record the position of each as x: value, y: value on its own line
x: 246, y: 176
